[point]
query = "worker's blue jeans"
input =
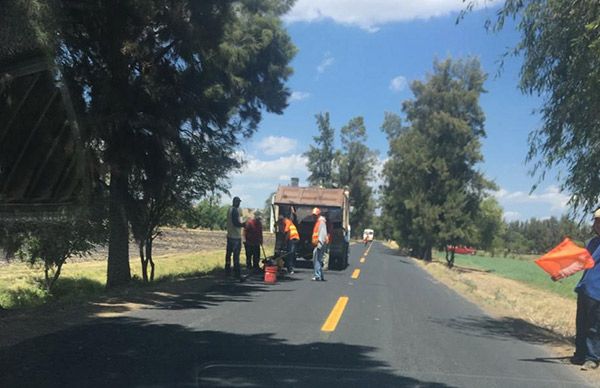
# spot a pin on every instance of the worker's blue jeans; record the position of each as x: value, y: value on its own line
x: 290, y: 259
x: 234, y: 246
x: 318, y: 262
x: 587, y: 338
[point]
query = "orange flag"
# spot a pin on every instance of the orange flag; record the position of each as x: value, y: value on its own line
x: 565, y: 260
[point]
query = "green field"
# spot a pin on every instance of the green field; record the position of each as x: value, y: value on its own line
x: 525, y: 271
x: 20, y: 285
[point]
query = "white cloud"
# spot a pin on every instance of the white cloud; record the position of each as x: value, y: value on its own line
x: 551, y: 196
x: 298, y: 96
x: 398, y: 84
x: 512, y: 216
x: 327, y: 61
x: 277, y: 145
x: 369, y: 14
x: 284, y: 166
x: 259, y: 178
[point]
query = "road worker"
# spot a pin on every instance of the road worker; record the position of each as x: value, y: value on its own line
x: 587, y: 320
x: 319, y: 242
x: 292, y: 237
x: 253, y: 234
x: 234, y: 238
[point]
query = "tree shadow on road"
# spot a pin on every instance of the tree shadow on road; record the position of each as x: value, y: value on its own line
x: 506, y: 328
x: 131, y: 352
x: 201, y: 292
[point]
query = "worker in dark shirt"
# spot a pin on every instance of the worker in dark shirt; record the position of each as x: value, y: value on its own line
x: 253, y: 240
x: 234, y: 238
x: 587, y: 321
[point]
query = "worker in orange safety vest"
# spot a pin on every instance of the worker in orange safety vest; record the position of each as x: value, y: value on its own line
x: 292, y: 237
x: 319, y: 242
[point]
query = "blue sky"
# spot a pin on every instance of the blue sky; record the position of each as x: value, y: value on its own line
x: 358, y: 57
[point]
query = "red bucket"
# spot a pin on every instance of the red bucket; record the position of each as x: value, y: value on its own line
x: 271, y: 274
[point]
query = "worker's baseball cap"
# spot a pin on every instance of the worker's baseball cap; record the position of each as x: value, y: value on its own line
x: 316, y: 211
x: 597, y: 213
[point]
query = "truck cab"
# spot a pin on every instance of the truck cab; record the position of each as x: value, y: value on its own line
x: 297, y: 204
x: 368, y: 235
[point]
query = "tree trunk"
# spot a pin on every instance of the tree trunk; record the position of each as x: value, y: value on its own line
x: 450, y: 256
x: 9, y: 253
x: 450, y: 260
x: 50, y: 282
x: 144, y: 261
x: 118, y: 271
x: 427, y: 252
x: 149, y: 257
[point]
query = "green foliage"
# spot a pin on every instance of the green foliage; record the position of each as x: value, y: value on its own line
x: 208, y: 214
x: 356, y: 165
x: 560, y: 46
x: 489, y: 225
x: 321, y: 157
x: 432, y: 189
x: 539, y: 236
x: 50, y: 244
x: 266, y: 211
x: 392, y: 125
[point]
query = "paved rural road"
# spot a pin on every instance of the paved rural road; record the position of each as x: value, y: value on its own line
x: 398, y: 328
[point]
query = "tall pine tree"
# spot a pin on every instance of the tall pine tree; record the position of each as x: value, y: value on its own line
x: 432, y: 188
x: 321, y: 157
x: 356, y: 166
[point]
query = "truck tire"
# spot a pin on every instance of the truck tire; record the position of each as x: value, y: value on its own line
x: 332, y: 262
x: 346, y: 255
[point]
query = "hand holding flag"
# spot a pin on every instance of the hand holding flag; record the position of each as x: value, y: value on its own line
x: 565, y: 259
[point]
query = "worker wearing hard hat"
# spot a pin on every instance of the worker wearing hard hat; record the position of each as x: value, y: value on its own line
x: 587, y: 321
x: 319, y: 242
x: 292, y: 237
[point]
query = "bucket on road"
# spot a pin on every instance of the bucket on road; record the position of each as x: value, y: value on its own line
x: 271, y: 274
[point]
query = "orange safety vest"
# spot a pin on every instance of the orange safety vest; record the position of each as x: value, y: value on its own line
x: 291, y: 228
x: 315, y: 234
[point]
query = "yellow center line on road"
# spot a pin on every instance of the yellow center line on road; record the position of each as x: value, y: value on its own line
x: 335, y: 314
x: 356, y: 273
x: 362, y: 259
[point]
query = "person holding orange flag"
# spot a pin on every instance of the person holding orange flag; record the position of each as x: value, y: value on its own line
x: 587, y: 321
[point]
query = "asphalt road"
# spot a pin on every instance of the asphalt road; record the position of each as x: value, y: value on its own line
x: 398, y: 327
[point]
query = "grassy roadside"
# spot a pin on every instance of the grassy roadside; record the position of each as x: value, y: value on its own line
x: 524, y: 271
x: 79, y: 281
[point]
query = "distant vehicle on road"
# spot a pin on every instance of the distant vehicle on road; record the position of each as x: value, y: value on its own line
x: 368, y: 235
x: 462, y: 249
